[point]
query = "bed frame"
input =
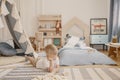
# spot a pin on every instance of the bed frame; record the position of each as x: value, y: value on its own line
x: 77, y: 28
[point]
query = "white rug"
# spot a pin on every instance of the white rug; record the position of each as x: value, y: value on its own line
x: 76, y: 73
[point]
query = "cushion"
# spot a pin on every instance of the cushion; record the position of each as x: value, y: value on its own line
x: 10, y: 42
x: 80, y: 43
x: 6, y: 49
x: 71, y: 42
x: 82, y: 38
x: 77, y: 45
x: 67, y: 38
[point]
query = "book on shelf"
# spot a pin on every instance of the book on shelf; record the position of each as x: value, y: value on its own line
x: 47, y: 41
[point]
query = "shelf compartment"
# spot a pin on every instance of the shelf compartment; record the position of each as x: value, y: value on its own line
x: 49, y: 17
x: 51, y: 36
x: 45, y: 29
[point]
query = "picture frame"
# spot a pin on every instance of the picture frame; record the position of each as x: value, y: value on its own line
x: 98, y: 26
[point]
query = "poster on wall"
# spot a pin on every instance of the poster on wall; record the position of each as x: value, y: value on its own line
x: 98, y: 26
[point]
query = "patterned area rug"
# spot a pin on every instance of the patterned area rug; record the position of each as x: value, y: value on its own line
x: 78, y: 73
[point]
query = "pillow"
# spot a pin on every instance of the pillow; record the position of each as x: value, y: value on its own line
x: 67, y: 38
x: 71, y: 42
x: 80, y: 43
x: 6, y: 49
x: 77, y: 45
x: 10, y: 42
x: 82, y: 38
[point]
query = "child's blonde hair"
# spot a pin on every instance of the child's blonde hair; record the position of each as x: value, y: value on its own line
x: 51, y: 49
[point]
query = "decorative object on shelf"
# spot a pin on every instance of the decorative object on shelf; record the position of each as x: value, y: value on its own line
x: 48, y: 26
x: 47, y: 41
x: 45, y: 34
x: 58, y: 26
x: 51, y: 34
x: 114, y: 39
x: 32, y: 40
x: 98, y: 26
x: 40, y: 27
x: 56, y: 41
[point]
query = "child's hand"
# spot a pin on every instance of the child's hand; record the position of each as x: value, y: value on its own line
x: 50, y: 59
x: 50, y: 69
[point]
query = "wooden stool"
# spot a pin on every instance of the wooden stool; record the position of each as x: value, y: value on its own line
x: 113, y: 49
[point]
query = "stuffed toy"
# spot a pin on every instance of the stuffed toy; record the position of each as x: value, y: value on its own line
x: 58, y: 26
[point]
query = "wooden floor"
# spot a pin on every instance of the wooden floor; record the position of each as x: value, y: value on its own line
x: 104, y: 52
x: 114, y: 58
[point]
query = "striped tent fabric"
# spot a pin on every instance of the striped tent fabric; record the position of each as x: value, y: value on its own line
x: 9, y: 11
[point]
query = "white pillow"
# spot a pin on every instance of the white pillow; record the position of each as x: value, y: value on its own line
x: 81, y: 44
x: 72, y: 42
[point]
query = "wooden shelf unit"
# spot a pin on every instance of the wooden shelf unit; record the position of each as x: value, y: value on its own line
x: 48, y: 26
x: 44, y: 29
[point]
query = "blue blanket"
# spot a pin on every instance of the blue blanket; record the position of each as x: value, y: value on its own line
x: 86, y: 56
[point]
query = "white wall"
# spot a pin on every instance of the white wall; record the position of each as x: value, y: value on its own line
x: 83, y: 9
x: 29, y: 11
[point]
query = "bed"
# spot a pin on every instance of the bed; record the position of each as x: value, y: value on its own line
x: 76, y: 51
x: 83, y: 56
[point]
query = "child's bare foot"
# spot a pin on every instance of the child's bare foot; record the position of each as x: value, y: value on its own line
x: 31, y: 59
x: 26, y: 58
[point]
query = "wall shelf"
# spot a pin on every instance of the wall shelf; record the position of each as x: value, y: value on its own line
x: 51, y: 30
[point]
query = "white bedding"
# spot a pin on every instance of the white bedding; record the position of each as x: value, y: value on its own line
x: 83, y: 56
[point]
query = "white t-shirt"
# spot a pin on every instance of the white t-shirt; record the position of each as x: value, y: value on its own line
x: 43, y: 63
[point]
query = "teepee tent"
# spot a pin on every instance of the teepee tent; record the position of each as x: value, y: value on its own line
x: 9, y: 16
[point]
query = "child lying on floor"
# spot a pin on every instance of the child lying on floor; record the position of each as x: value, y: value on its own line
x: 50, y: 62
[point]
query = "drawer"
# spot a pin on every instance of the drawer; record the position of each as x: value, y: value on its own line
x: 99, y: 39
x: 98, y: 36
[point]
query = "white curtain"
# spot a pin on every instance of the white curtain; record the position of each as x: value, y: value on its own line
x: 114, y: 25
